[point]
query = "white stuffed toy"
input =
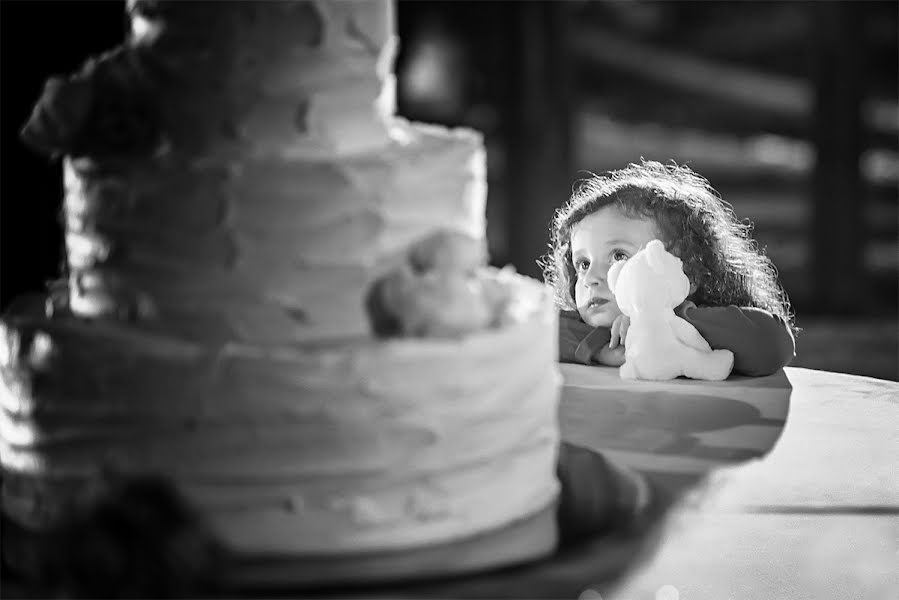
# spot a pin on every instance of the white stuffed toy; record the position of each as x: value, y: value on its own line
x: 660, y: 345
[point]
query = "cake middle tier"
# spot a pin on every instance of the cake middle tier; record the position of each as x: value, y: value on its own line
x: 263, y: 251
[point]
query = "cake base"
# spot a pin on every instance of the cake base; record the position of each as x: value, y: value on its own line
x: 445, y: 571
x: 530, y: 539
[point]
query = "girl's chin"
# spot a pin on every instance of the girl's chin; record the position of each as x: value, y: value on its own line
x: 598, y: 318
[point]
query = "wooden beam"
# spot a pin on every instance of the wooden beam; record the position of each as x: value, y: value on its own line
x: 742, y: 87
x: 538, y: 111
x: 837, y: 194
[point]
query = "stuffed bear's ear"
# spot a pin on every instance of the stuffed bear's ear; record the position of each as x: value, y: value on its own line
x: 621, y: 283
x: 682, y: 288
x: 679, y: 285
x: 614, y: 272
x: 655, y: 256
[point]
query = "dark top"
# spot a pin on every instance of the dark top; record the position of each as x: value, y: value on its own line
x: 761, y: 342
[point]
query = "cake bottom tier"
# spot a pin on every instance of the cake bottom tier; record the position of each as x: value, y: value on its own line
x: 366, y: 447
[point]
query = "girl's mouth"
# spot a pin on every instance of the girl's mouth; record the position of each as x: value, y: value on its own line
x: 597, y: 302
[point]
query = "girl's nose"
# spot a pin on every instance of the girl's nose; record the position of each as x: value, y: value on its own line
x: 595, y: 275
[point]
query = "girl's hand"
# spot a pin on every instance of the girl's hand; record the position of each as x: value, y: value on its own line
x: 619, y: 331
x: 611, y: 357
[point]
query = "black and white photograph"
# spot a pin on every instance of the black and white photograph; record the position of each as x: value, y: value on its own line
x: 463, y: 299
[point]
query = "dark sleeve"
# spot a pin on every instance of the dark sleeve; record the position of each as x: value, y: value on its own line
x: 761, y: 342
x: 579, y: 342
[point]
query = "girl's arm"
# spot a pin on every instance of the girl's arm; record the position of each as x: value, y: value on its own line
x: 761, y: 342
x: 585, y: 344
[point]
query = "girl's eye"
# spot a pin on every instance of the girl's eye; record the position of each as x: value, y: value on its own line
x: 619, y: 255
x: 581, y: 265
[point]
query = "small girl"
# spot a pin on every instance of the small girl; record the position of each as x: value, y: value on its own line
x: 735, y: 300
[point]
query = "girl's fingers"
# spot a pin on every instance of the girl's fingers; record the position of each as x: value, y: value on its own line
x: 622, y: 334
x: 616, y: 325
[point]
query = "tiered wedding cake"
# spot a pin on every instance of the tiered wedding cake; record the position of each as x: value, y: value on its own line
x: 277, y: 296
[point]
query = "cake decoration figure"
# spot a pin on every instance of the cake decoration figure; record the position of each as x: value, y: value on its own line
x: 442, y: 288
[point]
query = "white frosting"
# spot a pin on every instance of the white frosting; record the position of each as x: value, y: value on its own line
x: 335, y: 98
x: 215, y: 327
x: 340, y: 115
x: 365, y: 446
x: 267, y: 240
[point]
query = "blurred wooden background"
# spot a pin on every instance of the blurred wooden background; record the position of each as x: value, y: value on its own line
x: 789, y: 108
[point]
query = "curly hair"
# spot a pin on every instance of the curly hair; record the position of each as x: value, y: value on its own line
x: 695, y: 224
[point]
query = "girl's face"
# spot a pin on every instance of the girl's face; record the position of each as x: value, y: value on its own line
x: 597, y: 242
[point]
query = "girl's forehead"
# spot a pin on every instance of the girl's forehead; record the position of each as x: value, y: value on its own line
x: 610, y: 223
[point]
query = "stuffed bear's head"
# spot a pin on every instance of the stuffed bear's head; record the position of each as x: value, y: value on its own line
x: 652, y: 279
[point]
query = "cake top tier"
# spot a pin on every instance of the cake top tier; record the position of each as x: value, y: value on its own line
x: 221, y: 79
x: 225, y: 37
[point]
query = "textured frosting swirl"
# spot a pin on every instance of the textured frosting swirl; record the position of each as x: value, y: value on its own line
x: 225, y: 79
x: 290, y: 448
x: 267, y: 250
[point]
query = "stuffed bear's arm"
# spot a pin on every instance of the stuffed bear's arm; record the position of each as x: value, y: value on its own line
x: 688, y: 334
x: 761, y: 342
x: 580, y: 342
